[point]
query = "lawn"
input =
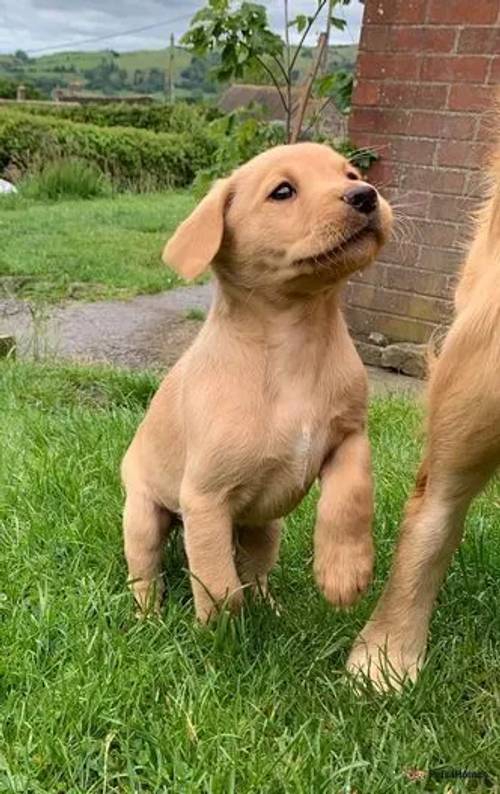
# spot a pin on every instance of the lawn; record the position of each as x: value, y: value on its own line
x: 103, y: 248
x: 94, y: 701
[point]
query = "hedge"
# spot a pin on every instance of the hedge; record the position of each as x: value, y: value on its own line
x: 133, y: 158
x: 179, y: 117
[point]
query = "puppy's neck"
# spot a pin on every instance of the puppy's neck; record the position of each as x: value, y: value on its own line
x: 295, y: 335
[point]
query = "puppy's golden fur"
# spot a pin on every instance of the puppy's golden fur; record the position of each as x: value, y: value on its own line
x: 271, y: 394
x: 462, y: 452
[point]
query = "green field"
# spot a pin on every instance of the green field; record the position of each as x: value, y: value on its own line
x: 68, y: 67
x: 109, y: 247
x: 94, y: 701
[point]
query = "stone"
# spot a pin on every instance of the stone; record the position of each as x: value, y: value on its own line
x: 378, y: 339
x: 7, y: 346
x: 405, y: 357
x: 7, y: 187
x: 369, y: 354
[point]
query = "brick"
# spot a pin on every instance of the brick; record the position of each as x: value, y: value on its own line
x: 422, y: 39
x: 384, y: 173
x: 468, y: 97
x: 378, y: 120
x: 396, y: 328
x: 371, y: 275
x: 438, y: 180
x: 423, y: 282
x: 397, y: 95
x: 410, y: 203
x: 375, y: 38
x: 463, y: 12
x: 431, y: 97
x: 398, y: 253
x: 367, y: 92
x: 461, y: 154
x: 476, y: 185
x: 452, y: 208
x: 442, y: 260
x: 371, y: 140
x: 413, y: 150
x: 441, y: 125
x: 480, y: 40
x: 440, y: 234
x: 399, y: 11
x: 494, y: 75
x: 393, y: 66
x: 455, y: 68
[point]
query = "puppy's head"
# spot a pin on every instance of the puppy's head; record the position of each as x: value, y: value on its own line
x: 297, y: 214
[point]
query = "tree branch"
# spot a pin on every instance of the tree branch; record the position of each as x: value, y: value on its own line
x: 306, y: 31
x: 318, y: 114
x: 275, y: 82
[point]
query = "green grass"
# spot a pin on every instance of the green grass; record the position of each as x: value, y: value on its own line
x: 103, y: 248
x: 93, y: 701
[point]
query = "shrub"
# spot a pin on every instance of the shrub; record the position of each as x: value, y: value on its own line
x: 237, y: 137
x: 8, y: 89
x: 241, y: 135
x: 178, y: 117
x: 132, y: 158
x: 66, y: 179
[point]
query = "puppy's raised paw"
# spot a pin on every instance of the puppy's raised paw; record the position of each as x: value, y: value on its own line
x: 344, y: 572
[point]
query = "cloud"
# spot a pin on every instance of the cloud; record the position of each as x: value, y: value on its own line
x: 47, y: 24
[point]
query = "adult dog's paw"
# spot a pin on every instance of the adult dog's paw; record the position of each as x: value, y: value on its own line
x: 383, y: 660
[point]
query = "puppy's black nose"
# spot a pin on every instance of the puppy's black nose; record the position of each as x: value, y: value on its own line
x: 363, y: 198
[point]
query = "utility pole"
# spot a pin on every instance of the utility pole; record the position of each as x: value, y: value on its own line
x: 171, y: 56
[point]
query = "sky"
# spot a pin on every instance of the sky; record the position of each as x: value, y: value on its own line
x: 44, y: 26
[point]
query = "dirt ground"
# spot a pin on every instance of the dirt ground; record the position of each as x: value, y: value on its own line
x: 149, y: 331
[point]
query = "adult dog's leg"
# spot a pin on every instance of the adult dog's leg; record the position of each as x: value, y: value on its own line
x: 208, y: 535
x: 145, y: 528
x: 462, y: 452
x: 257, y: 550
x: 343, y: 545
x: 392, y: 645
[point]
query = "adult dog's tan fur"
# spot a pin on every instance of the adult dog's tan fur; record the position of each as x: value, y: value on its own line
x: 462, y: 452
x: 271, y: 394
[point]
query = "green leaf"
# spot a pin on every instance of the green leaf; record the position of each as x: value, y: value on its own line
x: 338, y: 23
x: 300, y: 22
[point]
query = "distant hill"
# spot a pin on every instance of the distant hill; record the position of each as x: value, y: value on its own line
x: 141, y: 71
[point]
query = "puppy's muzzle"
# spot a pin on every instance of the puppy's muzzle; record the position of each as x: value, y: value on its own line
x: 363, y: 198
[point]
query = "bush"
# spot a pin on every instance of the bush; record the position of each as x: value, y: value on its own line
x: 63, y: 179
x: 237, y: 137
x: 8, y: 89
x: 179, y: 117
x: 133, y: 159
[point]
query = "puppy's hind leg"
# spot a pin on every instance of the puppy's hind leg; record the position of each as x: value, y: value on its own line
x: 145, y: 529
x: 257, y: 550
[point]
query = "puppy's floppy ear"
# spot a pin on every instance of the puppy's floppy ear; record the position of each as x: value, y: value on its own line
x: 198, y: 238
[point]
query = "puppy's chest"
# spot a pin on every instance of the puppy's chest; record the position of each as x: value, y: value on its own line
x: 299, y: 444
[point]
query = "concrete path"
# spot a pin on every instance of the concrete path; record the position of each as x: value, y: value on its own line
x: 149, y: 331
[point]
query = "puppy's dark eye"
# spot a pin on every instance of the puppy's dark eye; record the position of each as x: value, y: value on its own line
x: 352, y: 175
x: 284, y: 191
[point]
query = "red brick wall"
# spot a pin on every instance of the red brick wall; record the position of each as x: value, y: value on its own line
x: 426, y: 73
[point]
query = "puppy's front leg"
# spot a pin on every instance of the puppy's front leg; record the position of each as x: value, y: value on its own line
x: 343, y: 546
x: 209, y: 547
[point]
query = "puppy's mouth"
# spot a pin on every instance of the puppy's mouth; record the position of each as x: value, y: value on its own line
x: 329, y: 256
